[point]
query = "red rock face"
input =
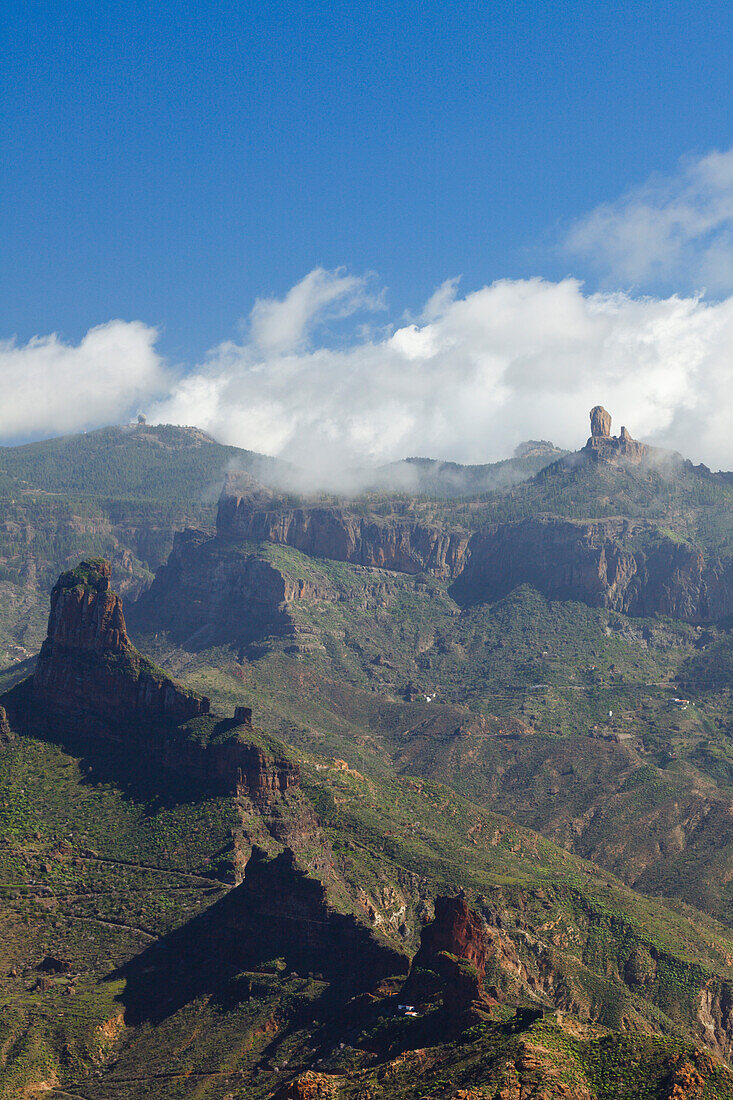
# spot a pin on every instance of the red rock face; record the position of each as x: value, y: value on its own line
x: 456, y: 929
x: 90, y: 680
x: 231, y: 767
x: 337, y: 533
x: 86, y: 617
x: 89, y: 669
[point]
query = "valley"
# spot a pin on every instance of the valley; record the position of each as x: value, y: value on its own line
x: 463, y: 746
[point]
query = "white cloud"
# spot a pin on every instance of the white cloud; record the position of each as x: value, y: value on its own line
x: 518, y: 359
x: 673, y: 231
x: 475, y: 375
x: 50, y: 387
x: 281, y: 325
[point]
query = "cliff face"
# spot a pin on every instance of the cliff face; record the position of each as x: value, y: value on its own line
x: 211, y: 592
x: 623, y: 564
x: 231, y: 766
x: 91, y: 683
x: 595, y: 563
x: 336, y: 533
x: 451, y: 961
x: 456, y: 929
x: 89, y: 671
x: 216, y: 590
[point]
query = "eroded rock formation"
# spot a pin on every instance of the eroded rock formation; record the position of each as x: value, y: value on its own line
x: 221, y: 589
x: 451, y: 962
x: 88, y: 669
x: 600, y: 422
x: 278, y: 912
x: 289, y: 914
x: 91, y: 684
x: 604, y: 447
x: 595, y: 563
x: 456, y: 929
x: 405, y: 546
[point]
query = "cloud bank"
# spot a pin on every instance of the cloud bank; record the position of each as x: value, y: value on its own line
x: 474, y: 375
x: 50, y: 387
x: 675, y: 230
x: 467, y: 380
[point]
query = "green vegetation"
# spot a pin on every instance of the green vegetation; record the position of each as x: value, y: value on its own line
x: 416, y: 724
x: 93, y: 871
x: 162, y: 463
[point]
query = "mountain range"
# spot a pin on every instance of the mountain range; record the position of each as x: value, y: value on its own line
x: 419, y: 785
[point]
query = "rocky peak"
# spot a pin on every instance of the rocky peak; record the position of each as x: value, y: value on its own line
x: 604, y: 447
x: 451, y: 963
x: 92, y: 684
x: 535, y: 448
x: 600, y: 422
x: 89, y: 670
x: 85, y: 613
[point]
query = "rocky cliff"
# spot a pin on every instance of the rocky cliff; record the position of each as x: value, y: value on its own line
x: 218, y: 589
x: 89, y: 671
x: 457, y: 929
x: 625, y: 565
x: 603, y: 447
x: 287, y: 913
x: 91, y: 684
x: 403, y: 545
x: 451, y: 962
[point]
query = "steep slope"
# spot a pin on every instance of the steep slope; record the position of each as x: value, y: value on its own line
x: 587, y: 604
x: 122, y: 926
x: 90, y: 683
x: 122, y: 492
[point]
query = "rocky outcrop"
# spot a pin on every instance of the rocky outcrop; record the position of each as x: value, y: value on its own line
x: 213, y: 591
x: 403, y: 545
x: 603, y: 447
x: 230, y: 766
x: 600, y: 423
x: 456, y: 929
x: 451, y: 962
x: 624, y: 565
x: 537, y: 448
x: 89, y: 671
x: 91, y: 684
x: 220, y: 589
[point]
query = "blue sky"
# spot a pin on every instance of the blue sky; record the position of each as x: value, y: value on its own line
x: 171, y: 162
x: 165, y: 167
